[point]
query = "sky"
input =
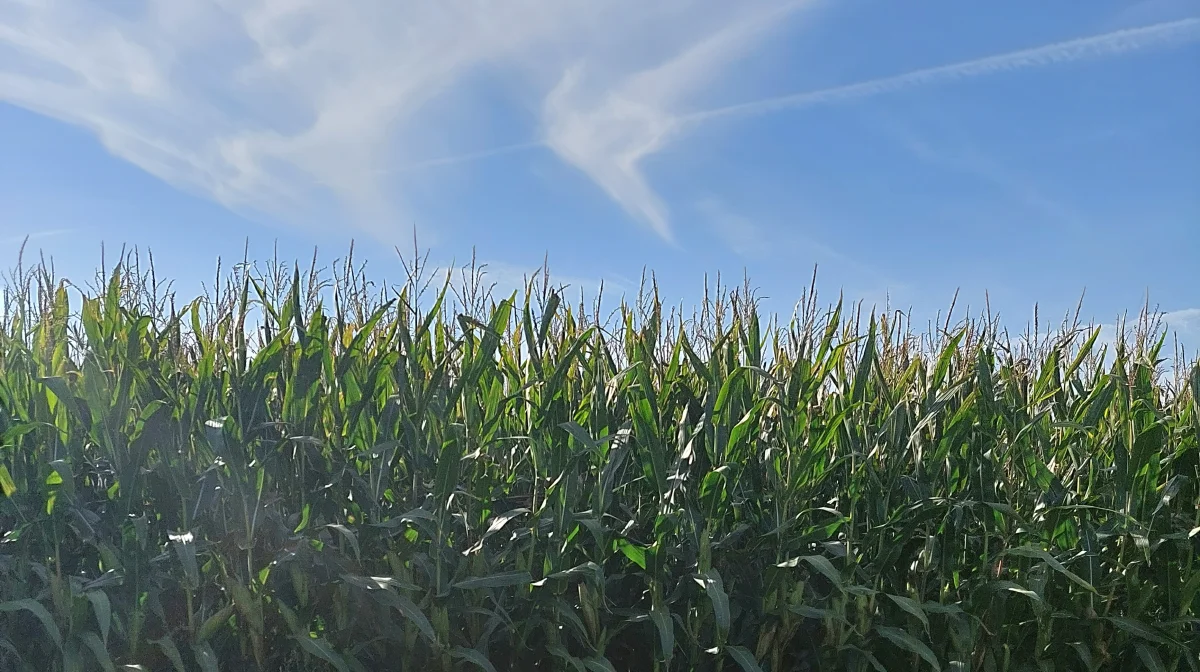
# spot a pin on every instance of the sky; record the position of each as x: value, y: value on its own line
x: 1026, y: 152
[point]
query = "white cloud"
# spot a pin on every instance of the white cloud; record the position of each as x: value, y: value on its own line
x: 1185, y: 322
x: 607, y: 131
x: 288, y: 106
x: 1181, y: 328
x: 303, y: 108
x: 609, y: 135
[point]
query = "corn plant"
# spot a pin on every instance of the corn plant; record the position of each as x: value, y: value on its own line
x: 310, y: 471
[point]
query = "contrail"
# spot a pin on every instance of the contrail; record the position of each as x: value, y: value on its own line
x: 1170, y: 33
x: 464, y: 158
x: 48, y: 233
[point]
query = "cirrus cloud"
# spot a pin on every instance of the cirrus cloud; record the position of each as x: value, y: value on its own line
x: 289, y: 107
x: 303, y: 110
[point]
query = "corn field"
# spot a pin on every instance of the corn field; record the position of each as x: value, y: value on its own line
x: 303, y: 470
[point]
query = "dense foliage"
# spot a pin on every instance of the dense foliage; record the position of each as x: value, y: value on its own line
x: 292, y: 474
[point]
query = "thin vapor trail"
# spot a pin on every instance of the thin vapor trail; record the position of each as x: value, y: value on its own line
x: 465, y: 158
x: 1171, y: 33
x: 47, y: 233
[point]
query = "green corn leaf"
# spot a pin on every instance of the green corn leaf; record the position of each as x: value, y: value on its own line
x: 1085, y: 655
x: 912, y: 607
x: 560, y: 652
x: 819, y: 563
x: 167, y: 646
x: 945, y: 359
x: 666, y: 631
x: 598, y: 664
x: 635, y: 554
x: 6, y: 482
x: 1138, y: 629
x: 102, y: 608
x: 496, y: 524
x: 866, y: 656
x: 1016, y: 588
x: 347, y: 534
x: 711, y: 581
x: 318, y: 647
x: 904, y: 640
x: 588, y: 570
x: 474, y: 657
x: 72, y: 659
x: 742, y: 656
x: 98, y: 649
x: 408, y: 610
x: 185, y: 549
x: 1150, y: 658
x: 66, y: 476
x: 213, y: 623
x: 448, y: 464
x: 39, y: 612
x: 500, y: 580
x: 304, y: 514
x: 214, y: 431
x: 859, y: 387
x: 1034, y: 552
x: 809, y: 611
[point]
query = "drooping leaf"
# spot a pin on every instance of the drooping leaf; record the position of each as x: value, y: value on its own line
x: 319, y: 648
x: 102, y: 609
x: 742, y: 656
x: 39, y: 612
x: 1138, y: 629
x: 598, y: 664
x: 819, y: 563
x: 167, y: 646
x: 904, y: 640
x: 500, y: 580
x: 474, y: 657
x: 185, y: 548
x: 666, y: 632
x: 711, y: 581
x: 911, y: 606
x: 99, y: 650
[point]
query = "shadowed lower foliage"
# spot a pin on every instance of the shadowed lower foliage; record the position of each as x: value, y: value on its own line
x: 295, y: 474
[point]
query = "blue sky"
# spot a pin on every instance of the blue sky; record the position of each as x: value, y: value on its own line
x: 1031, y: 150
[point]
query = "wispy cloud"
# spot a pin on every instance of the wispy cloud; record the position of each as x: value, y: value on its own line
x: 611, y: 136
x: 741, y: 235
x: 607, y: 131
x: 295, y: 107
x: 966, y: 158
x: 750, y: 239
x: 1185, y: 321
x: 301, y: 109
x: 1117, y: 43
x: 260, y: 104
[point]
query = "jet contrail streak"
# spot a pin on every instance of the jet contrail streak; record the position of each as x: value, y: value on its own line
x: 1170, y: 33
x: 464, y: 158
